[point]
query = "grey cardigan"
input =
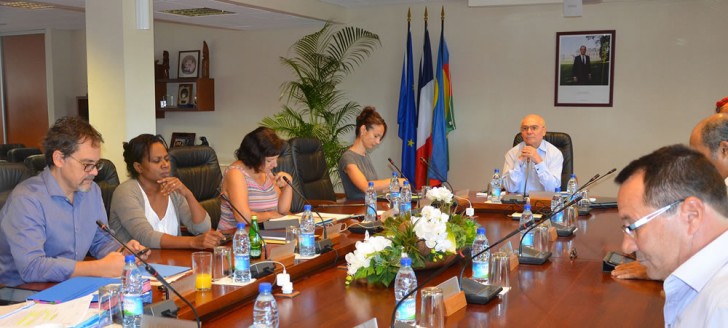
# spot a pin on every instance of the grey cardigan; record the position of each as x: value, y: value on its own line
x: 128, y: 219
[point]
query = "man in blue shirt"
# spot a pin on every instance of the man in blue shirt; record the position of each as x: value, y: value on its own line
x: 674, y: 208
x: 48, y: 223
x: 542, y: 160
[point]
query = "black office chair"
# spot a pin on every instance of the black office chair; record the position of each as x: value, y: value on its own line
x: 35, y: 163
x: 11, y: 174
x: 562, y: 141
x: 18, y: 155
x: 310, y: 163
x: 108, y: 180
x: 4, y: 148
x: 286, y: 164
x: 198, y: 168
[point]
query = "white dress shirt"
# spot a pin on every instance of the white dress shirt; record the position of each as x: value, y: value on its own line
x: 696, y: 293
x: 544, y: 176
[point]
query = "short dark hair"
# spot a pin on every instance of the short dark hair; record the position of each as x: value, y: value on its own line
x: 137, y: 148
x: 714, y: 131
x: 676, y: 172
x: 257, y: 145
x: 66, y: 134
x: 370, y: 117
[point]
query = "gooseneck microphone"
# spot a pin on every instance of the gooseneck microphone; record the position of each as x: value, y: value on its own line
x: 257, y: 232
x: 467, y: 286
x: 596, y: 179
x: 397, y: 168
x: 324, y: 245
x: 153, y: 272
x: 437, y: 174
x: 525, y: 182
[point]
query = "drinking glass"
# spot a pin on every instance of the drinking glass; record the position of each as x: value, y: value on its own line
x: 110, y: 305
x: 202, y: 269
x: 222, y: 262
x: 432, y: 311
x: 500, y: 270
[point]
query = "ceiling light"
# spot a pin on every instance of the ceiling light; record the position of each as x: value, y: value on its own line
x: 195, y: 12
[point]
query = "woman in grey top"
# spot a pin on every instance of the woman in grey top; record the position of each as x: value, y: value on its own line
x: 355, y: 167
x: 152, y: 205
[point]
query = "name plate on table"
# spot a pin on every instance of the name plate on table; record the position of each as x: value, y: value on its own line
x: 453, y: 297
x: 294, y: 220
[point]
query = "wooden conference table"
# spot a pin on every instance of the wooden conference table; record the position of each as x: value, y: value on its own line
x: 563, y: 292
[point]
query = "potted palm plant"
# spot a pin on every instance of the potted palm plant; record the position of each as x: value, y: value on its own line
x: 314, y: 107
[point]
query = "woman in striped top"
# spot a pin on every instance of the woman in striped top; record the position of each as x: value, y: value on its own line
x: 251, y: 185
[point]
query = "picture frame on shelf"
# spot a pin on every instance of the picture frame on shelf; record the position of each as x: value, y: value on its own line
x: 181, y: 139
x: 188, y: 65
x: 185, y: 95
x: 584, y: 68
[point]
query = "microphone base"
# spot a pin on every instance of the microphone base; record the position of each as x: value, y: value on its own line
x: 513, y: 199
x: 565, y: 231
x: 584, y: 211
x: 324, y: 245
x: 167, y: 309
x: 477, y: 293
x: 533, y: 257
x: 258, y: 271
x: 373, y: 227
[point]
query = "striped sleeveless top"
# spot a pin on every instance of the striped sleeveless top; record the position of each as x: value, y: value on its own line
x: 261, y: 198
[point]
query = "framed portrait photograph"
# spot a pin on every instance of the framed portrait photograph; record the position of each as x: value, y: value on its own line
x: 185, y: 94
x: 584, y: 68
x: 188, y: 64
x: 180, y: 139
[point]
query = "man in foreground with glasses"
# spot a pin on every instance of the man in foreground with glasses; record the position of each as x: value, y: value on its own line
x: 540, y: 158
x: 673, y: 205
x: 48, y: 223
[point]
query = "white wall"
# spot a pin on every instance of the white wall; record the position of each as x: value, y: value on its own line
x: 668, y: 74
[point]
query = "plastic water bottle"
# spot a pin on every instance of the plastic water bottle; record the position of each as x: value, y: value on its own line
x: 256, y: 245
x: 405, y: 199
x: 131, y: 287
x: 370, y: 199
x: 306, y: 243
x: 241, y: 252
x: 405, y: 282
x: 394, y: 197
x: 526, y: 221
x: 481, y: 264
x: 394, y: 183
x: 572, y: 185
x: 265, y: 309
x: 496, y: 185
x: 556, y: 204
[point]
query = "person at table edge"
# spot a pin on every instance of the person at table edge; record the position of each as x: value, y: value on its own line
x: 540, y: 158
x: 152, y: 205
x: 674, y: 209
x: 48, y: 224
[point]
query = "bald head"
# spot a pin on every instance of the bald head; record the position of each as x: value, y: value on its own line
x: 533, y: 129
x: 710, y: 137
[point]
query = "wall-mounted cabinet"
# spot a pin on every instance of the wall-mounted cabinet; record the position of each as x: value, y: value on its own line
x: 184, y: 95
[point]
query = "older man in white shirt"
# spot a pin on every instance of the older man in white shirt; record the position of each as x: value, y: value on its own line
x: 542, y: 160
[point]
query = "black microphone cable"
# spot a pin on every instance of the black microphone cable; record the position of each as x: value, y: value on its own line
x: 257, y: 232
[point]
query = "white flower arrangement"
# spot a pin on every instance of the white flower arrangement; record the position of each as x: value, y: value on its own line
x: 361, y: 256
x: 440, y: 194
x: 428, y: 237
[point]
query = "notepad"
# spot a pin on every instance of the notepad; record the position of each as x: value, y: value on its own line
x: 164, y: 270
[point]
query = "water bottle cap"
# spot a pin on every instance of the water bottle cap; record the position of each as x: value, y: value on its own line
x: 527, y: 207
x: 129, y: 259
x: 394, y: 174
x: 371, y: 183
x: 497, y: 170
x: 264, y: 287
x: 306, y: 207
x: 405, y: 261
x: 481, y: 231
x: 241, y: 225
x: 557, y: 189
x: 405, y: 183
x: 573, y: 175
